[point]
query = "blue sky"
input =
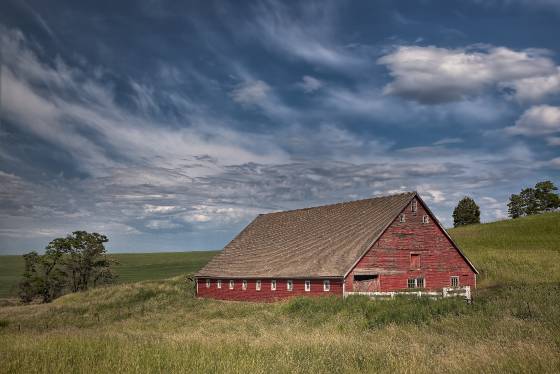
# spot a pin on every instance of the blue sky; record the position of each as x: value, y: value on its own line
x: 171, y: 125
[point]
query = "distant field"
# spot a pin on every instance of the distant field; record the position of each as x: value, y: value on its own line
x: 132, y: 267
x: 11, y: 268
x: 513, y: 326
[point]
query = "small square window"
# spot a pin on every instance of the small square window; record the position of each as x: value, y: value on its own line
x: 425, y: 219
x: 273, y: 285
x: 454, y: 281
x: 207, y: 283
x: 419, y: 282
x: 326, y: 285
x: 307, y: 286
x: 412, y: 283
x: 289, y: 285
x: 403, y: 218
x: 219, y: 283
x: 244, y: 285
x: 414, y: 206
x: 258, y: 285
x: 231, y: 284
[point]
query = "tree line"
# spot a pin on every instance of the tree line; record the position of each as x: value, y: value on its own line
x: 71, y: 264
x: 538, y: 199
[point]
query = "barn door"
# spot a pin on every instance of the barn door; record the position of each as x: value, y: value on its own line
x: 366, y: 283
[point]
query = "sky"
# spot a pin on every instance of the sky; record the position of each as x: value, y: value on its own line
x: 169, y: 126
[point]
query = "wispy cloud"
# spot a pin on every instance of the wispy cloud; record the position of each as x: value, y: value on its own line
x: 309, y: 84
x: 308, y: 35
x: 446, y: 141
x: 249, y: 93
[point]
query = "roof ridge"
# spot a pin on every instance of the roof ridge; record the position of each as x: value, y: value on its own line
x: 340, y: 203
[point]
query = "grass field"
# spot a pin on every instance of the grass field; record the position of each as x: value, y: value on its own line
x: 132, y: 267
x: 158, y: 326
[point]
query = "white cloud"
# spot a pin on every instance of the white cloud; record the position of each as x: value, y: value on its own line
x: 555, y: 162
x: 160, y: 209
x: 432, y: 75
x: 219, y: 216
x: 553, y: 140
x: 535, y: 88
x: 252, y: 92
x: 162, y: 225
x: 537, y: 120
x: 431, y: 194
x: 496, y: 208
x: 309, y: 84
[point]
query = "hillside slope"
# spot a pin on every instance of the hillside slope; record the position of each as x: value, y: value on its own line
x: 538, y: 232
x: 158, y: 326
x: 524, y: 250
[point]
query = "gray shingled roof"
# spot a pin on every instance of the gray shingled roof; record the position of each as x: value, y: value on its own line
x: 323, y: 241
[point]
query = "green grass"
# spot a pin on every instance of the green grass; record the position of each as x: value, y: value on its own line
x: 158, y: 325
x: 132, y: 267
x: 524, y: 250
x: 539, y: 232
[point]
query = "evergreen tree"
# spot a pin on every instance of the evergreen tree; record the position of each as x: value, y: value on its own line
x: 467, y: 212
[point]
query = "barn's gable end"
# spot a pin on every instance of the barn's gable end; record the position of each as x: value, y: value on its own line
x: 390, y: 256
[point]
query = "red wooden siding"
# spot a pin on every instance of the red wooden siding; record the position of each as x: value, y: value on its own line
x: 438, y: 259
x: 251, y: 294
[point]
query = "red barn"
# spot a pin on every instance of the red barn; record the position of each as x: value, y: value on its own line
x: 374, y: 246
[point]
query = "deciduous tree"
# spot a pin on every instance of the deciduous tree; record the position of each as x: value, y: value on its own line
x: 74, y: 263
x: 539, y: 199
x: 467, y: 212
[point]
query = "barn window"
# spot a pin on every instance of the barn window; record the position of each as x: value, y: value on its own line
x: 414, y: 206
x: 289, y: 285
x: 454, y: 281
x: 412, y: 283
x: 307, y: 286
x: 258, y: 285
x: 326, y: 285
x: 415, y: 261
x: 219, y: 283
x: 425, y: 219
x: 273, y: 285
x: 403, y: 218
x: 415, y: 282
x: 244, y: 284
x: 231, y: 284
x: 207, y: 283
